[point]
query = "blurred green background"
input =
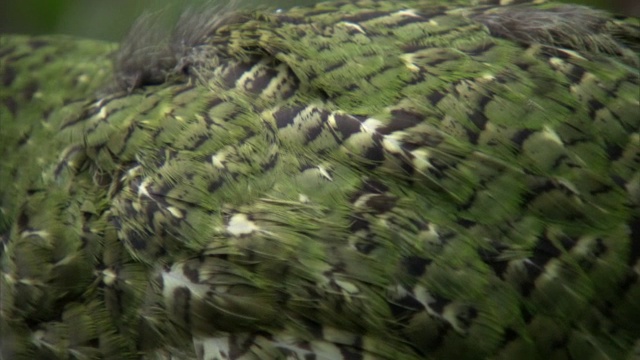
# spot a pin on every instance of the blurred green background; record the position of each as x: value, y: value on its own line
x: 110, y: 19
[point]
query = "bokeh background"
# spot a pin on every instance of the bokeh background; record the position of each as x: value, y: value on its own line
x: 110, y: 19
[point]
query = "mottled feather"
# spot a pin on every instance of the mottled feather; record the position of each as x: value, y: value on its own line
x: 358, y: 180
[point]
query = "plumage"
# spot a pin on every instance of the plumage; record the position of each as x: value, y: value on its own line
x: 360, y: 180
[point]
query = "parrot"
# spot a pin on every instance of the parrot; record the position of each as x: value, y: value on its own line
x: 366, y: 179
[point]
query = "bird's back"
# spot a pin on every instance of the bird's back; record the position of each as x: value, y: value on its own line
x: 363, y: 179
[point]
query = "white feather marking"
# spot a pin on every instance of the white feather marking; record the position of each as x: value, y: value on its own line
x: 421, y: 160
x: 83, y: 79
x: 175, y: 212
x: 212, y: 347
x: 407, y: 59
x: 218, y: 160
x: 371, y: 125
x: 408, y: 13
x: 350, y: 288
x: 325, y: 173
x: 550, y: 134
x: 175, y: 278
x: 142, y: 189
x: 239, y: 224
x: 109, y: 277
x: 361, y: 202
x: 103, y: 113
x: 353, y: 26
x: 40, y: 233
x: 392, y: 145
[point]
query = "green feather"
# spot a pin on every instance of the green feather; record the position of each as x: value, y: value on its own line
x: 363, y: 179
